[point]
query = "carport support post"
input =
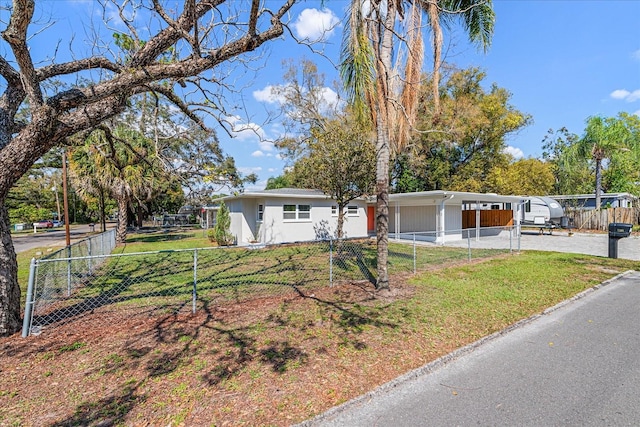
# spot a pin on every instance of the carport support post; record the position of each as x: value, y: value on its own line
x: 469, y: 244
x: 477, y: 223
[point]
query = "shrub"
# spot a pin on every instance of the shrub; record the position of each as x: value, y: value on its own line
x: 221, y: 233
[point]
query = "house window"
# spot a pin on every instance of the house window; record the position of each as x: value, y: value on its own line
x: 296, y: 212
x: 334, y: 210
x: 507, y: 206
x: 304, y: 211
x: 260, y: 212
x: 289, y: 212
x: 527, y: 206
x: 352, y: 210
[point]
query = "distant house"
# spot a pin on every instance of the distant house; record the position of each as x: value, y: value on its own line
x: 292, y: 215
x: 588, y: 201
x: 288, y: 215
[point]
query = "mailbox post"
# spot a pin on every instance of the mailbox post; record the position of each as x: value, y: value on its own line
x: 617, y: 230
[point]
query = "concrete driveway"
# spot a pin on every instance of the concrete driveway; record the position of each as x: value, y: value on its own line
x: 575, y: 365
x: 560, y: 241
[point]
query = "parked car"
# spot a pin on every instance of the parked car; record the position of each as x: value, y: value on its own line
x: 57, y: 223
x: 45, y: 223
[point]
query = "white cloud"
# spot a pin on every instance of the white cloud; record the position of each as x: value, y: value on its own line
x: 624, y: 94
x: 515, y: 152
x: 637, y: 113
x: 315, y: 25
x: 636, y: 55
x: 269, y: 95
x: 257, y: 153
x: 246, y: 170
x: 249, y: 132
x: 620, y: 94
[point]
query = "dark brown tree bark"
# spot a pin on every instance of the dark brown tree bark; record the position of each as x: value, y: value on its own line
x: 198, y: 46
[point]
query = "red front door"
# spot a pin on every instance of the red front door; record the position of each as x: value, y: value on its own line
x: 371, y: 218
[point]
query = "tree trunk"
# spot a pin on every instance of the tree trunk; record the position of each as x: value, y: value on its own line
x: 9, y: 288
x: 382, y: 194
x: 121, y: 227
x: 340, y: 226
x: 139, y: 215
x: 434, y: 18
x: 103, y: 220
x: 598, y: 188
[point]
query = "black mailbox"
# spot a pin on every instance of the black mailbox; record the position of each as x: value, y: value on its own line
x: 619, y: 229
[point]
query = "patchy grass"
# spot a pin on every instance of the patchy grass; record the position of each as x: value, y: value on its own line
x: 281, y: 358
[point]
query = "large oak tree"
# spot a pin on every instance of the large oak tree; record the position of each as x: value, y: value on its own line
x: 176, y: 49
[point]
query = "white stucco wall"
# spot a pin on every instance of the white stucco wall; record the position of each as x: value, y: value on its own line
x: 275, y: 229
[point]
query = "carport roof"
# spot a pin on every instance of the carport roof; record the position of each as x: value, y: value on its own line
x: 451, y: 197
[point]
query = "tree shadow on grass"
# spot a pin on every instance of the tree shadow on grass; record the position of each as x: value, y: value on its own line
x: 108, y: 411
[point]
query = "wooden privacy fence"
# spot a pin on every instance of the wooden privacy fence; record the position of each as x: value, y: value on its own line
x: 488, y: 218
x: 599, y: 220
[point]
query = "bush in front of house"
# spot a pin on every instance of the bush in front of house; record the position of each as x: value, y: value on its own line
x: 221, y: 232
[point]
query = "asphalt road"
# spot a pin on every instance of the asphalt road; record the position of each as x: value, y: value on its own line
x: 49, y: 238
x: 576, y: 365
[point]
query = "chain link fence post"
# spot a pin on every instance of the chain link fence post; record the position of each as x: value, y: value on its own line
x: 194, y: 297
x: 510, y: 239
x: 69, y: 271
x: 28, y: 304
x: 414, y: 254
x: 331, y: 262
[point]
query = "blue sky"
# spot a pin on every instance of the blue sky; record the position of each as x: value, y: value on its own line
x: 563, y: 61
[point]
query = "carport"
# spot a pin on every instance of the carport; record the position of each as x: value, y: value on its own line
x: 442, y: 216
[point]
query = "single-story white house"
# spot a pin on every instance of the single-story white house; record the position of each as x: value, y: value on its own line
x: 288, y: 215
x: 588, y: 201
x: 293, y: 215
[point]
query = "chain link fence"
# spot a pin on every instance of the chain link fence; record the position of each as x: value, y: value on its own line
x: 65, y: 289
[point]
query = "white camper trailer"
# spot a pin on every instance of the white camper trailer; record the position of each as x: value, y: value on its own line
x: 543, y: 212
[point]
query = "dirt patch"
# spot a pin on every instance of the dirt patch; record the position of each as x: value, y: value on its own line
x: 274, y: 360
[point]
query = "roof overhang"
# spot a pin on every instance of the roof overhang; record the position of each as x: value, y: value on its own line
x: 449, y: 198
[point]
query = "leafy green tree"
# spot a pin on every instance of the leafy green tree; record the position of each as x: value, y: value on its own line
x: 330, y: 150
x: 283, y: 181
x: 339, y: 159
x: 530, y: 176
x: 468, y: 140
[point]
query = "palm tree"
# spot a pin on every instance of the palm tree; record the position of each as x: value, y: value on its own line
x: 477, y: 18
x: 602, y: 137
x: 126, y: 168
x: 383, y: 82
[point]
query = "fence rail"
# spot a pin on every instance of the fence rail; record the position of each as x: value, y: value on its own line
x: 124, y: 285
